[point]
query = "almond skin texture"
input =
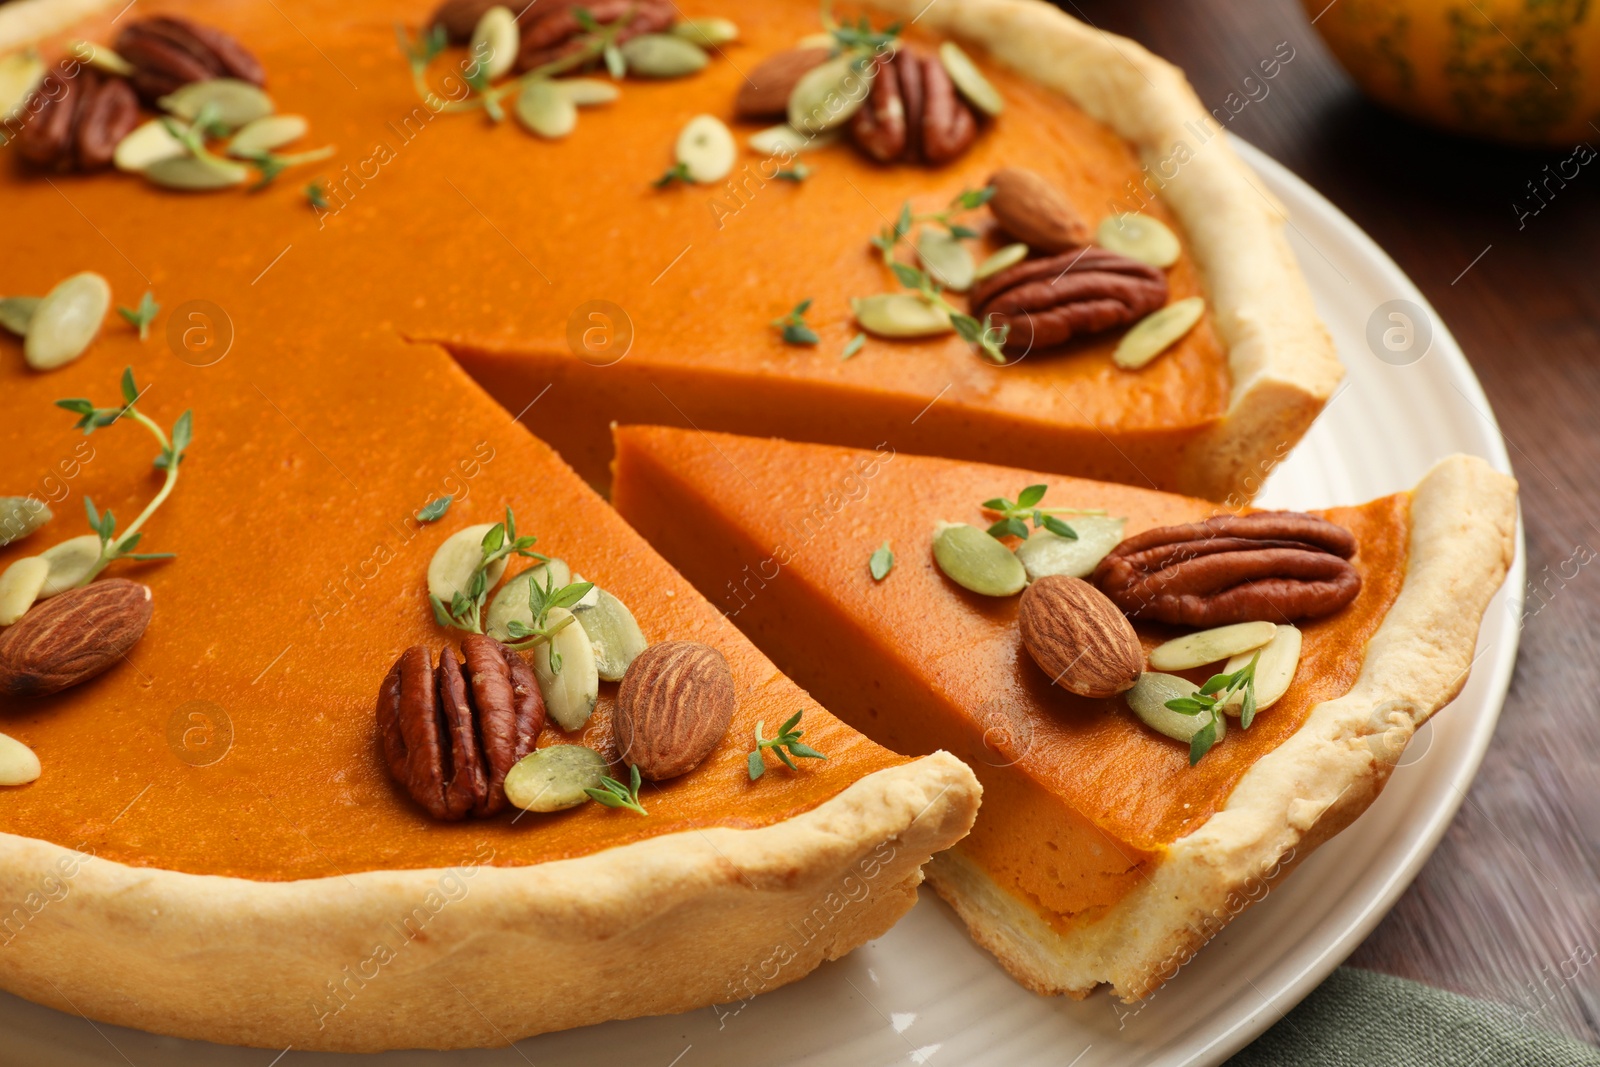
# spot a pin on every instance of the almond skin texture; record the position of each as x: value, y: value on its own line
x: 1079, y: 637
x: 70, y: 638
x: 1036, y: 212
x: 673, y: 707
x: 765, y: 93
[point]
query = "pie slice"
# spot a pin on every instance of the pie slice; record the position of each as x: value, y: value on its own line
x: 216, y: 850
x: 1100, y: 855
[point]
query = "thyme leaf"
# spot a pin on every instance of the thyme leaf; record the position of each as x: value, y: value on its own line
x: 613, y: 794
x: 786, y: 745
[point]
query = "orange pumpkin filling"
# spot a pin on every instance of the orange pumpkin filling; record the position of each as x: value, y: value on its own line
x: 322, y: 426
x: 1079, y: 797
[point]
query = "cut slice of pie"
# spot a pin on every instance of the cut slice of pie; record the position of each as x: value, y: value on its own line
x: 1100, y: 855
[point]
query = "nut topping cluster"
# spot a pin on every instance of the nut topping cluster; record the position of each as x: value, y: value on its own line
x: 452, y: 732
x: 1273, y: 565
x: 913, y: 113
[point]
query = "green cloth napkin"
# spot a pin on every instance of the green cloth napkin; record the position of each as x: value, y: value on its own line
x: 1361, y: 1018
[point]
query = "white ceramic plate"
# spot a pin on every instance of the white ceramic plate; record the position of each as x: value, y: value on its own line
x: 924, y: 994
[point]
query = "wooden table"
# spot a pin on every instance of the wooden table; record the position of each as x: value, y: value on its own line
x: 1509, y: 905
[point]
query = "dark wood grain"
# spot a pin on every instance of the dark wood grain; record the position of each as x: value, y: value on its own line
x: 1508, y: 908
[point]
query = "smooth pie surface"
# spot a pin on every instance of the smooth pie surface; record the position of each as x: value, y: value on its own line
x: 1080, y: 799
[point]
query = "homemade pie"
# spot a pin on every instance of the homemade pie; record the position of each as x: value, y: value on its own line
x: 1100, y: 853
x: 215, y: 848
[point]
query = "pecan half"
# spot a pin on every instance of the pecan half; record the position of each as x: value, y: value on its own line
x: 168, y: 52
x: 913, y: 113
x: 1274, y: 565
x: 451, y: 733
x: 79, y: 115
x: 557, y: 33
x: 1050, y: 301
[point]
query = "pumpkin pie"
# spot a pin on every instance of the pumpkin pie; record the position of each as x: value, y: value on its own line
x: 1101, y: 855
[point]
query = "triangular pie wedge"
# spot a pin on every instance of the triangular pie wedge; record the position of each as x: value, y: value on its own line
x: 1100, y: 855
x: 215, y: 849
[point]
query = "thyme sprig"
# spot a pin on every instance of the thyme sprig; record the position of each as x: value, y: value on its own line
x: 465, y: 610
x: 794, y: 328
x: 1210, y: 700
x: 857, y: 36
x: 173, y: 447
x: 143, y: 315
x: 984, y: 336
x: 785, y: 745
x: 1014, y: 515
x: 613, y: 794
x: 541, y: 600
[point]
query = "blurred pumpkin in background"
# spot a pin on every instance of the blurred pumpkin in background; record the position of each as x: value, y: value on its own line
x: 1524, y: 71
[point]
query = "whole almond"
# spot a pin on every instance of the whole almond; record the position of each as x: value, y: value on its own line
x: 766, y: 89
x: 73, y: 637
x: 673, y: 707
x: 1036, y: 212
x: 1079, y: 637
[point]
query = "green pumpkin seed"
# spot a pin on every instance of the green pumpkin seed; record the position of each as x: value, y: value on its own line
x: 101, y: 58
x: 661, y: 55
x: 1043, y: 553
x: 20, y: 74
x: 706, y: 148
x: 827, y: 95
x: 900, y: 315
x: 1148, y: 699
x: 784, y: 140
x: 66, y: 321
x: 1157, y: 332
x: 21, y: 516
x: 1139, y: 237
x: 587, y: 91
x: 569, y: 693
x: 196, y: 173
x: 267, y: 133
x: 1210, y: 646
x: 969, y: 80
x: 236, y: 102
x: 495, y: 41
x: 974, y: 560
x: 70, y: 563
x: 1274, y: 670
x: 19, y: 587
x: 511, y: 602
x: 545, y: 109
x: 947, y: 259
x: 18, y: 764
x: 613, y: 632
x: 1009, y: 256
x: 554, y: 777
x: 15, y: 314
x: 707, y: 33
x: 147, y: 143
x: 450, y: 569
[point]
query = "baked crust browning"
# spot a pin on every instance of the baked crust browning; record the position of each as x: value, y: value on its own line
x: 358, y: 963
